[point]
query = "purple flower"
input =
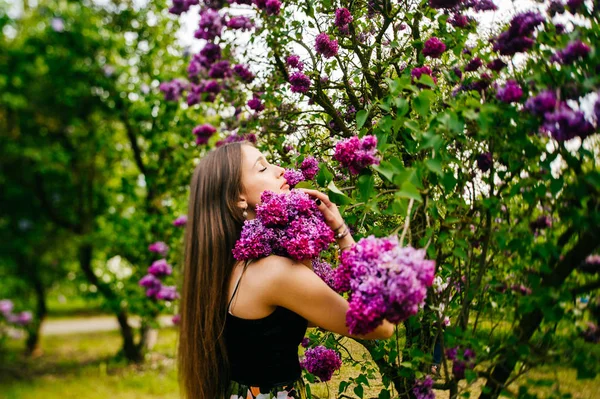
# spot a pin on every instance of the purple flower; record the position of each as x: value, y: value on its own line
x: 305, y: 342
x: 240, y: 22
x: 293, y: 61
x: 309, y: 168
x: 385, y: 281
x: 211, y: 25
x: 255, y: 104
x: 57, y: 24
x: 6, y: 307
x: 434, y: 48
x: 423, y: 388
x: 203, y: 133
x: 540, y: 223
x: 565, y: 123
x: 326, y: 46
x: 458, y: 369
x: 342, y: 19
x: 220, y: 69
x: 176, y: 319
x: 560, y: 28
x: 22, y: 318
x: 591, y: 333
x: 459, y: 20
x: 457, y: 72
x: 321, y: 362
x: 300, y: 82
x: 209, y: 54
x: 597, y: 110
x: 574, y: 5
x: 234, y: 138
x: 484, y: 161
x: 152, y: 285
x: 180, y: 6
x: 447, y: 4
x: 180, y: 221
x: 160, y: 268
x: 272, y: 7
x: 244, y: 73
x: 417, y: 72
x: 172, y: 89
x: 518, y: 36
x: 474, y: 65
x: 521, y: 289
x: 511, y: 92
x: 496, y: 65
x: 286, y: 225
x: 159, y: 247
x: 324, y: 271
x: 484, y: 5
x: 356, y: 154
x: 451, y: 353
x: 293, y: 177
x: 572, y: 52
x: 544, y: 102
x: 167, y: 293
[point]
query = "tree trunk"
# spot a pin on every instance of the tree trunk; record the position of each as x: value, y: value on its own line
x: 33, y: 339
x: 130, y: 350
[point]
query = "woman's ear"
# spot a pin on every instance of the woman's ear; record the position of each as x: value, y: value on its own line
x: 242, y: 203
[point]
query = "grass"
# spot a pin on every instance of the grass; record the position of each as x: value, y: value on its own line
x: 85, y: 366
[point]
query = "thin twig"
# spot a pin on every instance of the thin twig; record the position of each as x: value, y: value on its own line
x: 407, y: 223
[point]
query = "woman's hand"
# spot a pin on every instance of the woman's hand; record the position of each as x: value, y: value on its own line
x: 330, y: 211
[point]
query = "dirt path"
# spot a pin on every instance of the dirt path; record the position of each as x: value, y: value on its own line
x: 91, y: 324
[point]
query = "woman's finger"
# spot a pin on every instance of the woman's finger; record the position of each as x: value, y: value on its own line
x: 319, y: 195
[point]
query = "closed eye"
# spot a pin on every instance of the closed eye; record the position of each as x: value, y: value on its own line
x: 262, y: 170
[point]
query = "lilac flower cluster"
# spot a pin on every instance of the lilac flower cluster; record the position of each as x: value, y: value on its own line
x: 244, y: 73
x: 544, y: 102
x: 321, y: 362
x: 293, y: 61
x: 220, y: 69
x: 423, y: 388
x: 461, y: 363
x: 356, y: 154
x: 574, y: 51
x: 286, y: 225
x: 203, y: 133
x: 418, y: 71
x: 293, y: 177
x: 300, y: 82
x: 484, y: 161
x: 326, y: 46
x: 480, y: 5
x: 235, y: 138
x: 343, y: 18
x: 385, y: 281
x: 154, y: 287
x: 473, y: 65
x: 574, y: 5
x: 446, y: 4
x: 459, y: 20
x: 181, y: 6
x: 172, y: 89
x: 324, y: 271
x: 159, y: 247
x: 305, y: 342
x: 496, y: 65
x: 21, y: 319
x: 434, y: 48
x: 511, y: 92
x: 180, y: 221
x: 255, y: 104
x: 160, y: 268
x: 271, y: 7
x: 309, y: 168
x: 518, y: 36
x: 240, y: 22
x: 565, y: 123
x: 210, y: 26
x: 210, y: 88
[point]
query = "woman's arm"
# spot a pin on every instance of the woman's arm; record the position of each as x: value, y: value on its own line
x: 293, y: 286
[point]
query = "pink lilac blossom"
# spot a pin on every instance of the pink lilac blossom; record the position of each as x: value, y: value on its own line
x: 152, y: 285
x: 326, y: 46
x: 417, y: 72
x: 160, y: 268
x: 180, y: 221
x: 272, y: 7
x: 172, y: 89
x: 240, y: 22
x: 167, y: 293
x: 176, y: 319
x: 511, y: 92
x: 203, y: 133
x: 6, y: 307
x: 159, y: 247
x: 565, y: 123
x: 461, y: 363
x: 324, y: 271
x: 21, y: 319
x: 211, y: 25
x: 300, y: 82
x: 572, y: 52
x: 234, y: 138
x: 544, y: 102
x: 286, y: 224
x: 255, y: 104
x: 385, y: 281
x: 293, y: 177
x: 357, y: 154
x: 459, y: 21
x: 321, y: 362
x: 293, y: 61
x: 423, y: 388
x: 343, y: 18
x: 434, y: 48
x: 518, y: 36
x: 309, y: 168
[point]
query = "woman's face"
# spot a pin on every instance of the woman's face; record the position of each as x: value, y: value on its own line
x: 258, y: 175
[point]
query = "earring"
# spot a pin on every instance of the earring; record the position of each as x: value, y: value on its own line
x: 245, y: 213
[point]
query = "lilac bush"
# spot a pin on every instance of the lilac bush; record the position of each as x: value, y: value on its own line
x: 321, y: 362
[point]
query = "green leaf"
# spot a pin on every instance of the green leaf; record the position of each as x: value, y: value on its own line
x: 422, y: 102
x: 361, y: 118
x: 358, y: 390
x: 324, y: 176
x: 426, y: 80
x: 365, y: 184
x: 408, y: 190
x: 338, y: 196
x: 385, y: 169
x: 384, y: 394
x: 434, y: 165
x: 470, y: 376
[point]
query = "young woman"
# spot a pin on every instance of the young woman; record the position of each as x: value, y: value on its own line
x: 242, y: 322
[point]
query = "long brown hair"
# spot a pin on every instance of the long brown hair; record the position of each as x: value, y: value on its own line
x: 214, y: 224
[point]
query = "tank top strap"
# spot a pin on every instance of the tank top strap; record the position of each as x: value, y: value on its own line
x: 238, y: 284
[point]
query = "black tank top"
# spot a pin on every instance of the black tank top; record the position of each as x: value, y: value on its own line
x: 264, y: 352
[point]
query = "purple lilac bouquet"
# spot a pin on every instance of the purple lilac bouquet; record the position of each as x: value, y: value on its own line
x: 321, y: 362
x: 286, y: 225
x: 324, y: 271
x: 385, y: 281
x: 423, y: 388
x: 356, y: 154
